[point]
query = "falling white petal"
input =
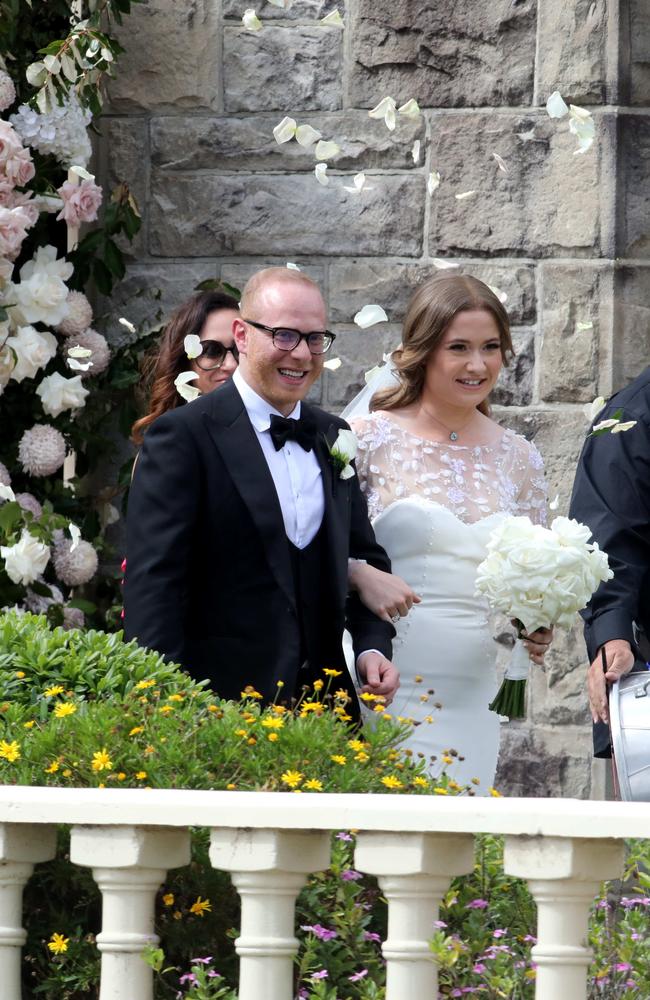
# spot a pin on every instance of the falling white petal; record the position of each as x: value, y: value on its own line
x: 433, y: 181
x: 581, y: 327
x: 415, y: 152
x: 284, y: 4
x: 526, y: 136
x: 307, y: 136
x: 556, y: 106
x: 79, y: 352
x: 333, y: 19
x: 79, y: 366
x: 6, y: 492
x: 554, y: 504
x: 292, y: 267
x: 321, y: 174
x: 284, y: 130
x: 464, y: 195
x: 193, y: 346
x: 332, y: 364
x: 75, y: 535
x: 327, y: 150
x: 577, y: 112
x: 583, y: 127
x: 591, y: 410
x: 626, y: 425
x: 82, y: 172
x: 188, y: 392
x: 251, y: 22
x: 359, y: 184
x: 410, y: 110
x: 502, y: 296
x: 442, y: 264
x: 127, y: 323
x: 369, y: 316
x: 501, y: 163
x: 385, y: 109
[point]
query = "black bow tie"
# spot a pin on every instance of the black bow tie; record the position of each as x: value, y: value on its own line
x: 285, y: 429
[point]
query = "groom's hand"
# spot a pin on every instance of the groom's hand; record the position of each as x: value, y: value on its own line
x: 620, y: 660
x: 378, y: 674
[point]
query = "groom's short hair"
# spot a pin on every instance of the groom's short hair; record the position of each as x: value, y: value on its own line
x: 271, y: 275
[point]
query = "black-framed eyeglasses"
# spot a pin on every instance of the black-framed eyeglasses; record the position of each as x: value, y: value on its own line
x: 286, y: 339
x: 213, y: 354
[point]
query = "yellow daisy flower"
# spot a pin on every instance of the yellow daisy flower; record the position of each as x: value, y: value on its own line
x: 101, y: 761
x: 51, y: 692
x: 58, y: 944
x: 168, y: 899
x: 10, y: 751
x: 314, y: 785
x: 291, y: 778
x: 390, y: 781
x: 63, y: 708
x: 332, y: 673
x: 201, y: 906
x: 338, y: 758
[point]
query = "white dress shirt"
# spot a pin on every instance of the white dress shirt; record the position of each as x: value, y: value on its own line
x: 296, y: 473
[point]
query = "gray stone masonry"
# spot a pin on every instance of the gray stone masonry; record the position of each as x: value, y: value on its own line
x: 566, y: 237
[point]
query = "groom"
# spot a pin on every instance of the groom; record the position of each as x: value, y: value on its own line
x: 240, y: 526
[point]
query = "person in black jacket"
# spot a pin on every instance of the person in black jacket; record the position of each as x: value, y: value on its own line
x: 611, y: 494
x: 240, y: 523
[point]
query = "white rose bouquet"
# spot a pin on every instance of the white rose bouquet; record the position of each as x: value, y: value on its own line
x: 539, y: 577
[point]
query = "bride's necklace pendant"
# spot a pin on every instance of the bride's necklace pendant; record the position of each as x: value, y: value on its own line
x: 453, y: 436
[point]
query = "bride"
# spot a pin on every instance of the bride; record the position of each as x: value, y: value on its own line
x: 438, y: 473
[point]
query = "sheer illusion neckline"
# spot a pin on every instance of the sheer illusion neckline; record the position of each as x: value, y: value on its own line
x: 492, y: 446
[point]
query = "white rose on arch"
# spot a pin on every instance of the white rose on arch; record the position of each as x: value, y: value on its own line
x: 58, y: 394
x: 33, y: 350
x: 26, y: 560
x: 41, y: 296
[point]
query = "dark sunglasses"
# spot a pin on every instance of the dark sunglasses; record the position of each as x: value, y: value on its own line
x: 213, y: 354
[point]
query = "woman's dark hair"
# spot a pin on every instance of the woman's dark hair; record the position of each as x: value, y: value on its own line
x: 160, y: 369
x: 431, y: 310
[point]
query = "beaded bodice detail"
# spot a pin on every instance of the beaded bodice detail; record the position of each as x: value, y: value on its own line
x: 470, y: 481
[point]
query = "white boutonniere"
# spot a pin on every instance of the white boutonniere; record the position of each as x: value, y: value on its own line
x: 343, y: 453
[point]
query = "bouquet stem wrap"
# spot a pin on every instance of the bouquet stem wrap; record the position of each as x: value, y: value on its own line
x: 510, y: 699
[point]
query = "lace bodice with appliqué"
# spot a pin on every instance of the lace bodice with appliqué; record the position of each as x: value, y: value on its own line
x: 470, y: 481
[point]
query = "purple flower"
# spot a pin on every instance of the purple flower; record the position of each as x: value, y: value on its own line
x: 477, y: 904
x: 440, y: 924
x: 500, y: 932
x: 358, y: 975
x: 622, y: 967
x: 303, y: 995
x: 530, y: 938
x: 322, y: 933
x: 371, y: 936
x: 323, y: 974
x: 636, y: 937
x: 189, y: 977
x: 479, y: 967
x: 350, y: 875
x: 201, y: 961
x: 344, y: 836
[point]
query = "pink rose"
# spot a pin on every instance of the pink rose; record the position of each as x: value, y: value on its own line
x: 80, y: 202
x: 14, y: 224
x: 9, y: 140
x: 20, y: 199
x: 18, y: 167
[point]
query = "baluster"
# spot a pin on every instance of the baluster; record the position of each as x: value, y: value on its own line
x: 129, y: 865
x: 21, y: 846
x: 564, y: 875
x: 414, y: 871
x: 268, y: 868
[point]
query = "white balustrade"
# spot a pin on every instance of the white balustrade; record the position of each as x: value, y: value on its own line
x: 270, y: 842
x: 129, y: 865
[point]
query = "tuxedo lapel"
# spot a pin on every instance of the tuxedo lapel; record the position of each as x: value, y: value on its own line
x: 234, y: 437
x: 337, y: 498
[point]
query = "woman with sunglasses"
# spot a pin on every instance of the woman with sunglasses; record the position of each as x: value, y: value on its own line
x: 209, y: 316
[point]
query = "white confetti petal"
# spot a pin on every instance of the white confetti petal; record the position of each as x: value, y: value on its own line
x: 193, y: 346
x: 284, y: 130
x: 6, y: 492
x: 188, y: 392
x: 583, y: 127
x: 385, y: 109
x: 526, y: 136
x: 332, y: 364
x: 327, y: 150
x: 442, y: 264
x: 415, y: 152
x: 410, y: 110
x: 581, y: 327
x: 554, y: 504
x: 284, y: 4
x: 333, y: 19
x: 577, y: 112
x: 626, y: 425
x: 556, y: 106
x: 321, y: 174
x: 75, y: 535
x: 591, y: 410
x: 359, y: 184
x: 127, y: 323
x: 82, y: 172
x: 79, y: 352
x: 292, y: 267
x: 502, y: 297
x: 307, y: 136
x: 369, y: 316
x: 79, y: 366
x: 501, y: 163
x: 251, y: 22
x: 464, y: 195
x: 433, y: 181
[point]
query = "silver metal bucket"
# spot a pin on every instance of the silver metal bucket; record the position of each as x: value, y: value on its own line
x: 629, y: 713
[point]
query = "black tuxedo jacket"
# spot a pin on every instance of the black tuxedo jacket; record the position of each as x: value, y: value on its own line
x: 209, y: 581
x: 611, y: 494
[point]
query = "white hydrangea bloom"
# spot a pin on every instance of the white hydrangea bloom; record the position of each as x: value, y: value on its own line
x: 41, y: 450
x: 74, y: 568
x: 80, y: 315
x: 62, y: 131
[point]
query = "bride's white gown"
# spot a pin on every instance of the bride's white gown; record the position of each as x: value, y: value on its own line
x: 433, y: 506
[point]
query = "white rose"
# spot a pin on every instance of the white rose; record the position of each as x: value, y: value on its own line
x: 58, y: 394
x: 570, y: 532
x: 25, y: 560
x: 41, y: 299
x: 33, y: 349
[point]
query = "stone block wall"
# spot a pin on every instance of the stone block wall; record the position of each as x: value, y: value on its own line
x: 566, y: 237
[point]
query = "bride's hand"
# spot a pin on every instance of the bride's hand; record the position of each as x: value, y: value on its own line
x: 388, y: 596
x: 537, y: 643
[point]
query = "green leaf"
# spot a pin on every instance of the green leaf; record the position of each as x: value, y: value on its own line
x: 87, y: 607
x: 113, y: 259
x: 103, y: 277
x: 10, y: 514
x: 91, y: 241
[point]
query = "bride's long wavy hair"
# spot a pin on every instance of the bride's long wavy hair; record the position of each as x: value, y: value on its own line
x: 169, y: 359
x: 431, y: 310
